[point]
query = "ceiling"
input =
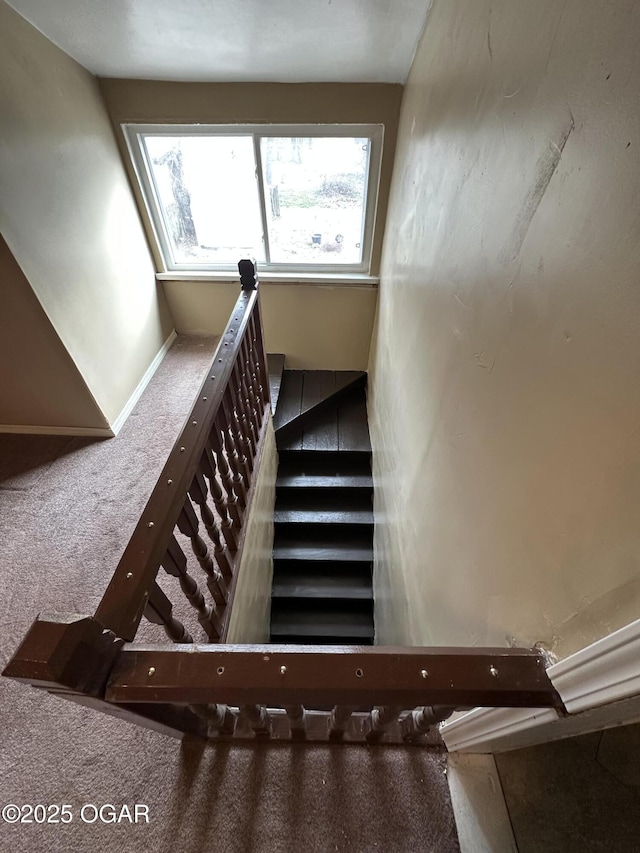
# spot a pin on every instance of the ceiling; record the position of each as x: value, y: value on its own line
x: 235, y: 40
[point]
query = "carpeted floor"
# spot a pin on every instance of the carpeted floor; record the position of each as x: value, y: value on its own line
x: 67, y: 509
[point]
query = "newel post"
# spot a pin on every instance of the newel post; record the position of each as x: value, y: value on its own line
x: 72, y: 656
x: 65, y: 653
x: 248, y: 270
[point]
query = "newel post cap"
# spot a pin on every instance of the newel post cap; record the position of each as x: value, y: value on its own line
x: 65, y: 651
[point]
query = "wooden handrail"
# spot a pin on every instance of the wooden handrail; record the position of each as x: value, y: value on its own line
x: 318, y: 693
x: 127, y: 595
x: 316, y: 676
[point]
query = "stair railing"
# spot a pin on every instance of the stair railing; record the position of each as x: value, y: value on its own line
x: 331, y: 693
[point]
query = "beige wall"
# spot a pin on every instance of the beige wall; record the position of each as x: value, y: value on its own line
x: 251, y: 609
x: 70, y: 220
x: 505, y: 403
x: 40, y: 383
x: 315, y: 326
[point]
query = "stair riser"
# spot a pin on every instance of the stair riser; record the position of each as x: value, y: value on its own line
x: 321, y: 640
x: 319, y: 499
x: 324, y: 462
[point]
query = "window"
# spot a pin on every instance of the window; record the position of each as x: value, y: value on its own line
x: 300, y: 198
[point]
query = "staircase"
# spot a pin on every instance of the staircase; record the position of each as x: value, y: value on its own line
x: 323, y: 546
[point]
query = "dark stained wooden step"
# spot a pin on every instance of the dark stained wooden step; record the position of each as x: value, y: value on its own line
x: 325, y: 481
x: 306, y: 549
x: 324, y: 516
x: 275, y: 367
x: 319, y: 640
x: 345, y: 500
x: 330, y: 622
x: 308, y: 402
x: 311, y: 580
x: 353, y: 428
x: 323, y: 462
x: 323, y: 541
x: 320, y: 567
x: 329, y: 535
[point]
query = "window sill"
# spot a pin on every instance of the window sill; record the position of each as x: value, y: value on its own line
x: 343, y: 279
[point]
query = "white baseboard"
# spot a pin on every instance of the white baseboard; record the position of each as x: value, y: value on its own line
x: 479, y: 807
x: 604, y: 672
x: 98, y: 432
x: 603, y: 675
x: 28, y: 429
x: 117, y: 425
x: 482, y: 728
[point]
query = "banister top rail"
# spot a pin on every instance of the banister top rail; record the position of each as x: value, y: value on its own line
x: 126, y: 597
x: 317, y: 676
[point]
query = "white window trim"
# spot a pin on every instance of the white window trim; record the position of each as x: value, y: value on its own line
x: 133, y: 134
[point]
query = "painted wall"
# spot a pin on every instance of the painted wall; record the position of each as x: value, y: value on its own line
x: 251, y: 609
x: 40, y: 383
x: 69, y: 218
x: 505, y: 403
x: 315, y: 326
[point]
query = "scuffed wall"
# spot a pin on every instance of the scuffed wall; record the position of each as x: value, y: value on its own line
x: 504, y: 395
x: 70, y: 220
x: 251, y: 608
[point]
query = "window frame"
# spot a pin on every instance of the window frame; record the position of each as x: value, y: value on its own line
x: 134, y: 136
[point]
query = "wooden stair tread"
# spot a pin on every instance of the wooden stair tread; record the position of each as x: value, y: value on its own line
x: 310, y: 584
x: 275, y: 368
x: 327, y: 623
x: 314, y: 550
x: 306, y: 417
x: 323, y: 516
x: 324, y: 481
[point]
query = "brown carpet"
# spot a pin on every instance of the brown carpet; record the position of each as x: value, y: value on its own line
x: 67, y: 509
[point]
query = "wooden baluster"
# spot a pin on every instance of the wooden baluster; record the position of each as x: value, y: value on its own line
x: 159, y: 611
x: 247, y: 436
x: 251, y: 404
x: 211, y: 469
x: 234, y: 485
x: 259, y: 718
x: 379, y: 721
x: 188, y: 525
x: 241, y: 475
x: 258, y: 355
x: 175, y: 564
x: 233, y: 442
x: 297, y: 721
x: 420, y: 720
x: 220, y: 718
x: 256, y: 390
x: 339, y: 720
x: 243, y: 404
x: 224, y: 562
x: 207, y: 466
